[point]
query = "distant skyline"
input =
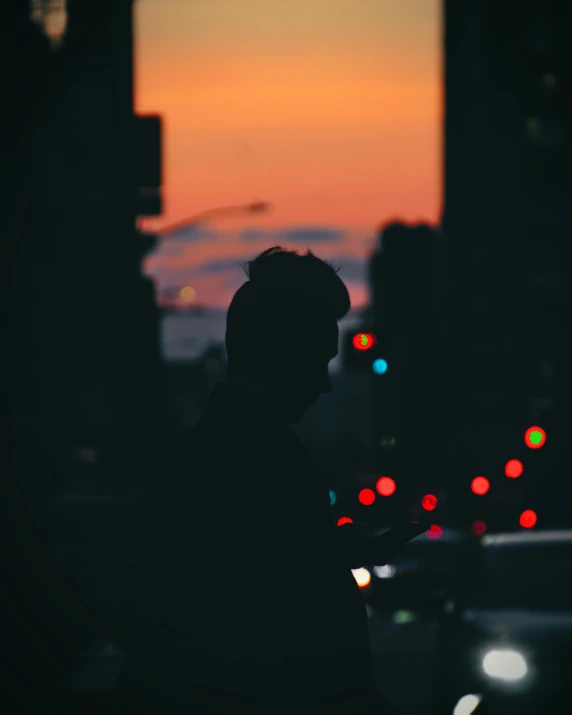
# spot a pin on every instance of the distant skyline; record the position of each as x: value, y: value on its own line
x: 328, y: 109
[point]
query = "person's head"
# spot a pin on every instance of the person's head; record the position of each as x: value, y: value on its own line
x: 282, y: 328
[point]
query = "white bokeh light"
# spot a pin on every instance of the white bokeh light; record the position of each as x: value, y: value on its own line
x: 362, y: 577
x: 504, y: 664
x: 467, y: 704
x: 387, y: 571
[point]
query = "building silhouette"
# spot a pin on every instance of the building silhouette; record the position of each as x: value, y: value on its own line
x: 81, y: 319
x: 405, y: 279
x: 506, y: 222
x: 80, y: 380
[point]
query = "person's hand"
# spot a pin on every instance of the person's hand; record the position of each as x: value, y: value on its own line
x: 385, y: 547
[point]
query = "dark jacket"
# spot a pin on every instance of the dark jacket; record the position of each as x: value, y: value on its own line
x: 245, y: 587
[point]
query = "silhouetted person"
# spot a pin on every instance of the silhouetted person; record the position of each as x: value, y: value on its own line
x: 245, y: 600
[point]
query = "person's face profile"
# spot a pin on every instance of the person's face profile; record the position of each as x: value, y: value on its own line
x: 306, y: 372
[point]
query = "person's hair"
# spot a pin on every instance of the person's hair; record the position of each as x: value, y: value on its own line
x: 286, y: 297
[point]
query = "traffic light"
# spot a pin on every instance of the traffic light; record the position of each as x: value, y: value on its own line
x: 362, y: 352
x: 534, y: 437
x: 363, y: 341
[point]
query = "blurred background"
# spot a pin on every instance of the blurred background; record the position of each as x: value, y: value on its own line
x: 150, y: 148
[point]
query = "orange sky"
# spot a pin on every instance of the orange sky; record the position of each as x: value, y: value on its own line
x: 328, y: 109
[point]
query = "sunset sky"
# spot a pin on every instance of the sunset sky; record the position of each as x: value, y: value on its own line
x: 330, y: 110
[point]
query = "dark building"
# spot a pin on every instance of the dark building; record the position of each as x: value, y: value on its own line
x: 80, y: 335
x: 507, y: 225
x: 81, y: 321
x: 405, y: 279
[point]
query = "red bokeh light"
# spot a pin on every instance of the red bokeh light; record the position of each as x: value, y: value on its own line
x: 480, y: 485
x: 385, y: 486
x: 429, y: 502
x: 366, y: 496
x: 513, y: 468
x: 435, y: 531
x: 478, y: 527
x: 530, y: 434
x: 363, y: 341
x: 528, y: 519
x: 345, y: 520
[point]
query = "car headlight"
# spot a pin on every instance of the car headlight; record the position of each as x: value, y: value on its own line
x: 505, y: 665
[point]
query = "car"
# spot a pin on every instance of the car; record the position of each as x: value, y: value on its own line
x: 431, y: 568
x: 505, y: 645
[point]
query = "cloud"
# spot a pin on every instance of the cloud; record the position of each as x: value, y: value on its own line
x: 301, y: 234
x: 253, y: 234
x: 168, y: 249
x: 351, y: 267
x: 310, y: 235
x: 223, y: 265
x: 195, y: 233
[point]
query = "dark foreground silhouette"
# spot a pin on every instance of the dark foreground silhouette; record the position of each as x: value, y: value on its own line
x: 245, y: 601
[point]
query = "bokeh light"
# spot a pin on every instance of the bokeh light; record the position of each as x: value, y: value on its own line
x: 403, y: 616
x: 467, y: 704
x: 480, y: 485
x: 345, y: 520
x: 187, y: 294
x: 505, y: 664
x: 513, y: 468
x: 478, y: 527
x: 362, y: 577
x: 429, y: 502
x: 385, y: 486
x: 534, y: 437
x: 380, y: 366
x: 387, y: 441
x: 366, y: 497
x: 387, y: 571
x: 435, y: 531
x: 363, y: 341
x: 528, y: 519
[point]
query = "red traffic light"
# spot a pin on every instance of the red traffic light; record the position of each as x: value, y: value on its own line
x: 513, y: 468
x: 480, y: 485
x: 534, y: 437
x: 385, y: 486
x: 429, y: 502
x: 366, y: 496
x: 363, y: 341
x: 478, y: 527
x: 528, y: 519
